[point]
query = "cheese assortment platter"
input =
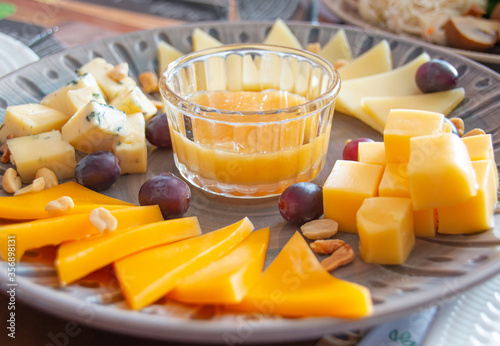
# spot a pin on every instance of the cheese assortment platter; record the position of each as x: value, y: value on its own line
x: 110, y: 289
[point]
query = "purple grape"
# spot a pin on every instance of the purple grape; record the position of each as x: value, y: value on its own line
x: 157, y: 131
x: 301, y: 202
x: 98, y: 170
x: 436, y: 75
x: 351, y: 149
x: 172, y: 195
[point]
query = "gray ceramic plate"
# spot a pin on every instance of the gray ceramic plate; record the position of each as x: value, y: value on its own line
x: 438, y: 268
x: 348, y: 12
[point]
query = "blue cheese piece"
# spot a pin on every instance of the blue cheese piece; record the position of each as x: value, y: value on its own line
x: 95, y: 127
x: 100, y: 68
x: 80, y: 97
x: 30, y: 153
x: 132, y: 152
x: 30, y: 119
x: 132, y: 100
x: 58, y: 99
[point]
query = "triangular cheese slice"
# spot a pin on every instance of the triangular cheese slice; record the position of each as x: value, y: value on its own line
x: 228, y: 279
x: 166, y: 54
x: 337, y: 48
x: 377, y: 59
x: 202, y: 40
x: 281, y: 35
x: 295, y: 284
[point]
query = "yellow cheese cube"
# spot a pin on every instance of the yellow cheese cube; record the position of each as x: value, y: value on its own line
x: 58, y: 99
x: 42, y: 150
x: 30, y: 119
x: 480, y: 147
x: 80, y: 97
x: 385, y: 228
x: 100, y: 68
x: 371, y: 152
x: 403, y: 124
x: 95, y: 127
x: 440, y: 171
x: 346, y: 188
x: 132, y: 152
x: 425, y: 222
x: 395, y: 182
x: 476, y: 213
x: 132, y: 100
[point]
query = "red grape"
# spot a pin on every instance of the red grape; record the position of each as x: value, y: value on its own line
x: 301, y: 202
x: 98, y: 170
x: 436, y: 75
x: 157, y: 131
x: 351, y: 149
x: 172, y: 195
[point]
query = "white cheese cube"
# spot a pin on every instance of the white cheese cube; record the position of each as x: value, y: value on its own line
x: 132, y: 152
x: 80, y: 97
x: 132, y: 100
x: 47, y: 149
x: 30, y: 119
x: 95, y: 127
x: 58, y: 99
x: 100, y: 68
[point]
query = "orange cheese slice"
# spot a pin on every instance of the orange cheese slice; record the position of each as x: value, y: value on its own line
x: 150, y: 274
x: 32, y: 206
x: 54, y: 231
x: 228, y: 279
x: 295, y: 284
x: 79, y: 258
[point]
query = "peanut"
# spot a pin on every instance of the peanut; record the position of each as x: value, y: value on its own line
x: 149, y: 82
x: 340, y: 63
x: 37, y: 185
x: 11, y: 182
x: 320, y: 229
x: 474, y: 132
x: 119, y: 72
x: 314, y: 47
x: 103, y: 220
x: 49, y: 177
x: 6, y: 157
x: 459, y: 124
x: 340, y: 257
x: 61, y: 204
x: 327, y: 246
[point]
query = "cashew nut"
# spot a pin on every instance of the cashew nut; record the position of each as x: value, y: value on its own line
x: 103, y: 220
x: 61, y: 204
x: 149, y: 82
x: 119, y: 72
x: 327, y: 246
x: 314, y: 47
x: 340, y: 257
x: 459, y: 124
x: 11, y: 182
x: 49, y: 177
x: 320, y: 229
x: 37, y: 185
x: 474, y: 132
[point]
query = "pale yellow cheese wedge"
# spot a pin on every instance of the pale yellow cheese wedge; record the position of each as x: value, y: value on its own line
x: 30, y: 119
x: 385, y: 228
x: 79, y: 258
x: 371, y: 152
x: 296, y: 284
x: 166, y: 54
x: 202, y: 40
x: 397, y: 82
x: 337, y: 47
x: 142, y: 285
x: 441, y: 102
x: 476, y: 213
x: 345, y: 189
x: 404, y: 124
x: 132, y: 151
x: 281, y: 35
x: 440, y: 171
x: 376, y: 60
x: 227, y: 280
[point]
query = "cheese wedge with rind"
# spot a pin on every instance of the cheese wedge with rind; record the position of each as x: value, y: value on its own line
x: 227, y: 280
x: 144, y: 284
x: 55, y: 230
x: 79, y: 258
x: 296, y: 284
